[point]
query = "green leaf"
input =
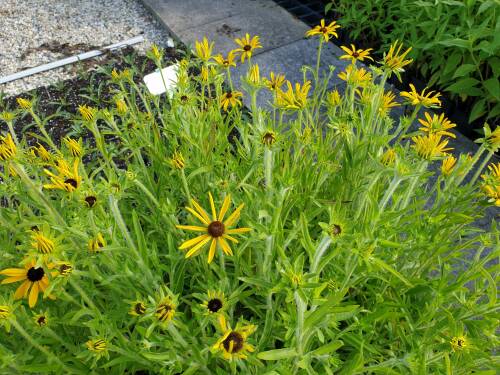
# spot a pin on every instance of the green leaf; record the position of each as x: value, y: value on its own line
x: 478, y: 110
x: 457, y: 42
x: 452, y: 62
x: 464, y: 70
x: 388, y: 268
x: 322, y: 311
x: 463, y: 86
x: 494, y: 112
x: 277, y: 354
x: 328, y: 348
x: 493, y: 87
x: 485, y: 6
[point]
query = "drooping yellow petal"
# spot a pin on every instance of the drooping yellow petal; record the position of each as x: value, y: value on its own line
x: 225, y: 246
x: 193, y: 212
x: 13, y: 272
x: 192, y: 227
x: 230, y: 238
x: 13, y: 279
x: 238, y: 230
x: 198, y: 247
x: 33, y: 295
x: 212, y: 205
x: 234, y: 216
x: 211, y: 252
x: 225, y: 206
x: 22, y: 290
x: 200, y: 210
x: 193, y: 241
x: 44, y: 283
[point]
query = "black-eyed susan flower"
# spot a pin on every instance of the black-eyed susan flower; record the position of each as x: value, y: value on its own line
x: 67, y: 178
x: 492, y: 192
x: 118, y: 75
x: 42, y: 243
x: 121, y: 106
x: 34, y: 280
x: 7, y: 116
x: 137, y: 308
x: 177, y: 160
x: 74, y: 147
x: 97, y: 243
x: 275, y: 81
x: 207, y: 73
x: 24, y: 103
x: 215, y: 303
x: 230, y: 98
x: 234, y: 342
x: 324, y: 31
x: 491, y: 184
x: 247, y: 46
x: 428, y: 100
x: 437, y: 124
x: 387, y: 103
x: 226, y: 62
x: 39, y: 151
x: 447, y: 165
x: 5, y: 312
x: 165, y: 310
x: 394, y: 60
x: 215, y: 229
x: 333, y: 98
x: 62, y: 268
x: 253, y: 76
x: 355, y: 76
x: 88, y: 113
x: 430, y: 146
x: 388, y: 157
x: 268, y: 138
x: 97, y: 346
x: 293, y: 98
x: 491, y: 139
x: 8, y: 149
x: 354, y: 54
x: 155, y: 53
x: 41, y: 320
x: 459, y: 343
x: 90, y: 200
x: 203, y: 49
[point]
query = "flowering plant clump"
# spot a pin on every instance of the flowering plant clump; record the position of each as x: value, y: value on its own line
x: 316, y: 235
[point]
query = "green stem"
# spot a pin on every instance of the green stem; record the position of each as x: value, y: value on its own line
x: 481, y: 167
x: 185, y: 186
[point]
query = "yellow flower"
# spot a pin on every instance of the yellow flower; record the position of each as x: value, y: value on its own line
x: 41, y: 243
x: 41, y: 320
x: 293, y: 99
x: 495, y: 171
x: 155, y: 53
x: 87, y: 113
x: 97, y: 243
x: 207, y: 74
x: 41, y: 152
x: 429, y: 100
x: 254, y: 74
x: 118, y: 75
x: 24, y: 103
x: 34, y: 280
x: 215, y: 303
x: 447, y: 165
x: 355, y: 76
x: 233, y: 343
x: 7, y: 116
x: 5, y: 312
x: 333, y: 98
x: 121, y: 106
x: 8, y: 148
x: 226, y: 62
x: 204, y: 49
x: 389, y: 157
x: 459, y: 343
x: 90, y: 200
x: 268, y: 138
x: 138, y: 308
x: 430, y: 146
x: 324, y: 31
x: 247, y: 46
x: 493, y: 193
x: 230, y: 98
x: 275, y: 81
x: 98, y: 346
x: 215, y: 229
x: 356, y: 54
x: 75, y: 147
x: 67, y: 179
x: 394, y: 60
x: 165, y: 310
x: 177, y: 160
x: 437, y: 125
x: 387, y: 103
x: 63, y: 268
x: 491, y: 138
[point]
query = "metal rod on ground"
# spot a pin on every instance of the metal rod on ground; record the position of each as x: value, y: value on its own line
x: 70, y: 60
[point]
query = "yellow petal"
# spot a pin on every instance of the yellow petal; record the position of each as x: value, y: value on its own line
x: 33, y: 295
x: 234, y: 216
x: 225, y: 247
x: 225, y: 206
x: 22, y: 290
x: 200, y: 210
x: 238, y: 230
x: 193, y: 241
x: 13, y: 279
x: 192, y: 227
x: 212, y: 205
x: 193, y: 212
x: 44, y: 283
x: 211, y: 252
x: 230, y: 238
x: 13, y: 272
x: 198, y: 247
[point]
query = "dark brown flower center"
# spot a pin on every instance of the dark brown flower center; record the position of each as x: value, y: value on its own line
x: 35, y: 274
x: 90, y: 200
x: 72, y: 182
x: 247, y: 47
x: 237, y: 340
x: 355, y: 54
x: 460, y: 342
x: 268, y: 138
x: 41, y: 321
x: 229, y: 95
x: 323, y: 30
x: 35, y: 228
x: 336, y: 230
x: 216, y: 229
x: 214, y: 305
x: 139, y: 308
x: 184, y: 98
x: 65, y: 269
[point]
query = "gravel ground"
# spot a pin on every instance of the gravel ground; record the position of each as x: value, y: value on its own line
x: 35, y: 32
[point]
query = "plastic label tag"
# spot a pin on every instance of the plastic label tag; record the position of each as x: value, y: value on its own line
x: 166, y: 81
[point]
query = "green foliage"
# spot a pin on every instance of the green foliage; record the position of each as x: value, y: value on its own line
x: 456, y: 44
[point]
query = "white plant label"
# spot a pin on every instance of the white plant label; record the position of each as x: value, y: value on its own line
x: 166, y: 81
